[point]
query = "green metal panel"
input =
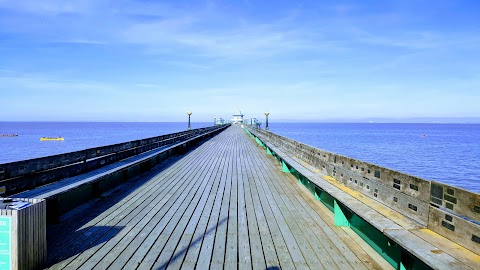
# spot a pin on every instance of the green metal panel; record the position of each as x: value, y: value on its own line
x: 309, y: 185
x: 285, y: 168
x: 259, y: 142
x: 295, y: 173
x: 377, y: 240
x: 340, y: 219
x: 325, y: 198
x: 268, y: 151
x: 410, y: 262
x: 389, y: 250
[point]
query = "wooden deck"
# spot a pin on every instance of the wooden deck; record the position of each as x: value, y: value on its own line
x: 225, y: 204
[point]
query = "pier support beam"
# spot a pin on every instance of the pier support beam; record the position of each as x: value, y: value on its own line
x: 285, y: 168
x: 340, y: 219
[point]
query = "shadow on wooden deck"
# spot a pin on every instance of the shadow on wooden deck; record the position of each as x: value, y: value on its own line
x: 83, y: 241
x: 69, y: 237
x: 180, y: 254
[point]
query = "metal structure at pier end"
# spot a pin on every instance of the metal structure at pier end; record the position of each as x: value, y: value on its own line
x: 413, y: 223
x: 237, y: 118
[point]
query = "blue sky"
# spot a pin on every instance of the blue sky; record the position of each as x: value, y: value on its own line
x: 311, y: 60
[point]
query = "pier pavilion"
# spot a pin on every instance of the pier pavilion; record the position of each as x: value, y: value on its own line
x: 237, y: 118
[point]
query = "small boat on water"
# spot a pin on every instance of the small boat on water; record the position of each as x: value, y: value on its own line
x: 8, y: 135
x: 52, y: 139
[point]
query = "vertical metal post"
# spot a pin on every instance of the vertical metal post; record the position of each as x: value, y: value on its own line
x: 189, y: 114
x: 266, y: 122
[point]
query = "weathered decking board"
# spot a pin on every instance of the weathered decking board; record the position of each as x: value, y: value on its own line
x: 223, y: 205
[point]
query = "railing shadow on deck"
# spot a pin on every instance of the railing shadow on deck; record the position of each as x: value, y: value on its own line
x: 69, y: 230
x: 84, y: 242
x: 180, y: 254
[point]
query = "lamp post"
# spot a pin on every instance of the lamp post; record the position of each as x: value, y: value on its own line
x: 266, y: 122
x: 189, y: 113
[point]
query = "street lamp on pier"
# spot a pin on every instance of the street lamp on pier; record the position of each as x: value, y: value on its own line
x: 266, y: 122
x: 189, y: 113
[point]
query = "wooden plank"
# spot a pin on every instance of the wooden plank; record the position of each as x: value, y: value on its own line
x: 334, y: 238
x: 142, y: 245
x: 288, y: 224
x: 231, y: 255
x: 63, y: 233
x: 287, y: 202
x: 214, y: 222
x: 113, y: 218
x: 168, y: 253
x: 244, y: 254
x: 194, y: 234
x: 338, y: 241
x: 455, y: 250
x: 268, y: 226
x: 432, y: 256
x: 218, y: 256
x: 256, y: 249
x: 331, y: 258
x: 351, y: 245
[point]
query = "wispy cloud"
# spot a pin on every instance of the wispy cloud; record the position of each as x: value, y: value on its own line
x: 47, y: 7
x: 46, y: 84
x: 410, y: 39
x: 238, y: 41
x: 317, y: 57
x: 84, y: 41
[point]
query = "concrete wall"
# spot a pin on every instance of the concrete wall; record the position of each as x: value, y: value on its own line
x: 447, y: 210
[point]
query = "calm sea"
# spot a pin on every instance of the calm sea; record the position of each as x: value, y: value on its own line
x: 448, y: 153
x: 78, y: 136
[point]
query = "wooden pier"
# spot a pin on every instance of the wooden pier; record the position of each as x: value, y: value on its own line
x: 225, y: 204
x: 231, y: 197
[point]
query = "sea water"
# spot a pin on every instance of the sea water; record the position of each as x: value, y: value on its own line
x: 78, y: 136
x: 448, y: 153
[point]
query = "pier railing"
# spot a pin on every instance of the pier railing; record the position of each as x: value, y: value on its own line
x: 447, y: 210
x: 24, y: 175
